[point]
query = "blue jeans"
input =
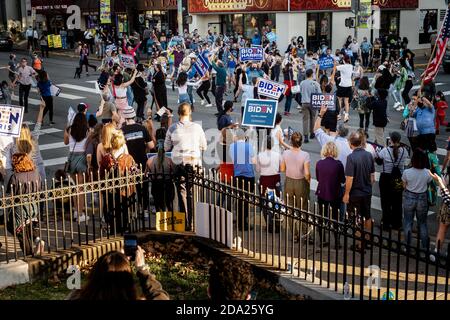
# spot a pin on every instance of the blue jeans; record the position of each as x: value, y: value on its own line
x: 130, y: 96
x: 64, y: 42
x: 189, y: 91
x: 184, y: 97
x: 287, y: 105
x: 415, y: 204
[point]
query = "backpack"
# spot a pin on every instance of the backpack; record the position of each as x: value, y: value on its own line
x: 121, y: 166
x: 396, y: 174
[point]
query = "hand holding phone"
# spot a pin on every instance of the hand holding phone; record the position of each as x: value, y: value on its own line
x: 130, y: 245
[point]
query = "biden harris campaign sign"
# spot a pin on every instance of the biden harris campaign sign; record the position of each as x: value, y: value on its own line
x: 270, y: 89
x: 251, y: 54
x: 260, y: 113
x: 318, y: 100
x: 11, y: 118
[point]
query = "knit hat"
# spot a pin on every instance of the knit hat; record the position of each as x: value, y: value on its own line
x: 129, y: 113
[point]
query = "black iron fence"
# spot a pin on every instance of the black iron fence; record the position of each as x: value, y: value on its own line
x: 300, y: 239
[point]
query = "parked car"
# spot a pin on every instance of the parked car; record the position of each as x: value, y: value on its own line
x: 6, y: 41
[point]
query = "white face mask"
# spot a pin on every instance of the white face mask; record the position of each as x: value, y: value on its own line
x: 356, y: 64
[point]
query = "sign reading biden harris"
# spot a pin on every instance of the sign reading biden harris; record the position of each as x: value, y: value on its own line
x: 270, y: 89
x: 11, y: 118
x: 260, y: 113
x: 251, y: 54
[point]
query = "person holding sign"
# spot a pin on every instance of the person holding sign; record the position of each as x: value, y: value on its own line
x: 119, y: 88
x: 308, y: 87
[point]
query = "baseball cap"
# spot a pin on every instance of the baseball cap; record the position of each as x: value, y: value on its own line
x: 129, y: 113
x: 193, y: 55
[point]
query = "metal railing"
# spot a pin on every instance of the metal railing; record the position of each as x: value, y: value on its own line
x: 337, y: 254
x: 372, y: 264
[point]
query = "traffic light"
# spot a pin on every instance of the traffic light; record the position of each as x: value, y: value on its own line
x: 350, y: 22
x: 355, y: 6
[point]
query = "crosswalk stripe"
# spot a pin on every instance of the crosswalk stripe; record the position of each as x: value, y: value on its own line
x: 50, y: 130
x: 31, y: 101
x: 52, y: 146
x: 76, y: 87
x: 55, y: 162
x: 70, y: 96
x: 91, y: 81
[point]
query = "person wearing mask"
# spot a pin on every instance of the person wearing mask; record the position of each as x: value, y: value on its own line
x: 344, y: 91
x: 296, y: 164
x: 248, y: 92
x: 380, y: 120
x: 256, y: 40
x: 63, y: 34
x: 360, y: 176
x: 366, y: 49
x: 243, y: 157
x: 112, y: 279
x: 25, y: 76
x: 221, y: 83
x: 358, y: 72
x: 307, y: 88
x: 12, y: 67
x: 392, y: 159
x: 44, y: 85
x: 29, y: 36
x: 187, y: 141
x: 356, y: 48
x: 425, y: 122
x: 275, y: 67
x: 441, y: 107
x: 139, y: 87
x: 76, y: 136
x: 415, y: 197
x: 330, y: 176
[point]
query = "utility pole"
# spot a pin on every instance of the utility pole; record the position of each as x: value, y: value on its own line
x: 355, y: 9
x: 180, y: 16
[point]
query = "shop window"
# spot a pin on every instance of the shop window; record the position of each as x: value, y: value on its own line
x: 390, y: 23
x: 318, y: 30
x: 428, y: 25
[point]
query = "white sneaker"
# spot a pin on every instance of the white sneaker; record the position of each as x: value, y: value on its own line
x: 202, y: 102
x: 396, y: 105
x: 401, y: 108
x: 209, y: 105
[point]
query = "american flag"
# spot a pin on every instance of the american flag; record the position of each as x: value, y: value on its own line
x: 441, y: 46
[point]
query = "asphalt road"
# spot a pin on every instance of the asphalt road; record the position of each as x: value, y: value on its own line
x: 61, y: 71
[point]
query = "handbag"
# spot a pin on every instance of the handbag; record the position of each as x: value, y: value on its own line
x: 67, y: 164
x: 295, y: 89
x: 54, y: 90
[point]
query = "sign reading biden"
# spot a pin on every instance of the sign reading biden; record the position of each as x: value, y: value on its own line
x: 270, y: 89
x: 326, y: 63
x: 251, y: 54
x: 260, y: 113
x: 11, y: 118
x: 318, y: 100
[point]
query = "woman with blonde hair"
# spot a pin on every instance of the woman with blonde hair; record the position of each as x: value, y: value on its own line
x: 28, y: 142
x: 330, y: 176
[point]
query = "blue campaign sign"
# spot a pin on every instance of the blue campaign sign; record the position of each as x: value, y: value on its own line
x: 349, y: 52
x: 271, y: 36
x: 260, y: 113
x: 326, y: 63
x: 201, y: 65
x: 251, y: 54
x: 318, y: 100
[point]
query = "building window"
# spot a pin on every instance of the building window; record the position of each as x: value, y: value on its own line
x: 428, y: 25
x: 318, y: 30
x: 245, y: 24
x: 390, y: 23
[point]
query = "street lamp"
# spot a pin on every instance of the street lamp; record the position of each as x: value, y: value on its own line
x: 180, y: 16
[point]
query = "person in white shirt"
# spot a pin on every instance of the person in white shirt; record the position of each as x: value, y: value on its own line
x: 29, y: 36
x: 356, y: 48
x: 25, y: 78
x: 344, y: 91
x: 187, y: 141
x: 278, y: 144
x: 268, y: 164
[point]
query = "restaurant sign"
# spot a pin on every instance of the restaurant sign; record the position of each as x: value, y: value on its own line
x: 205, y: 6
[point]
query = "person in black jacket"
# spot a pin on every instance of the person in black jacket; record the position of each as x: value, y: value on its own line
x: 159, y: 88
x: 380, y: 119
x: 139, y: 87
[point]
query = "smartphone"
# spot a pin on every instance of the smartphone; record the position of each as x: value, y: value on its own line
x: 130, y: 245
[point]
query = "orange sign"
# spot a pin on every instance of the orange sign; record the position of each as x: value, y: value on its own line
x: 205, y: 6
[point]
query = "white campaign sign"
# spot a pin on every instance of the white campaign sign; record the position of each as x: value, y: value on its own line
x: 270, y: 89
x: 11, y: 118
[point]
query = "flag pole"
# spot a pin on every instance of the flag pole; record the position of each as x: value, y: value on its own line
x: 434, y: 48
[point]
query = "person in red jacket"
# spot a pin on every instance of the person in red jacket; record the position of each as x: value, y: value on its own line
x: 441, y: 108
x: 130, y: 50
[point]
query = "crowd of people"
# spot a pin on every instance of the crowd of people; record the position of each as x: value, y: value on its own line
x: 123, y: 129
